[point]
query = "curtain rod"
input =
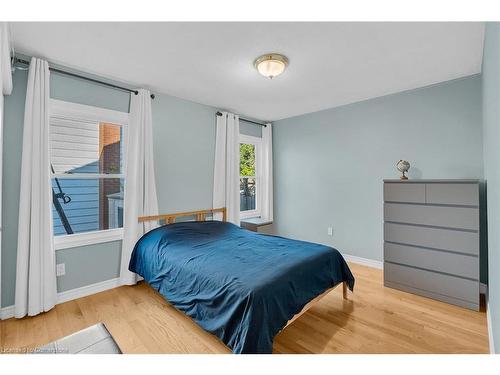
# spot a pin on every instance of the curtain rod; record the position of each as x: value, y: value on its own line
x: 246, y: 120
x: 25, y: 62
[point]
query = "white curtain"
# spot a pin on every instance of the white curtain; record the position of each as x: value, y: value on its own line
x: 267, y: 173
x: 140, y: 187
x: 5, y: 71
x: 227, y: 167
x: 5, y: 89
x: 36, y: 287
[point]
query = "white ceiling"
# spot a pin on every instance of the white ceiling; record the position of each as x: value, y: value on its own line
x: 331, y: 64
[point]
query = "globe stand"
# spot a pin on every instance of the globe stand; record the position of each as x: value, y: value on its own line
x: 403, y: 166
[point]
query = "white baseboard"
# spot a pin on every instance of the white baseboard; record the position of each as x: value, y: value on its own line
x: 69, y: 295
x: 87, y: 290
x: 490, y: 328
x: 6, y: 312
x: 364, y: 261
x: 483, y: 288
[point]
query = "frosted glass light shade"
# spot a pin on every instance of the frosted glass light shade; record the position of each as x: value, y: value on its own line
x: 271, y: 65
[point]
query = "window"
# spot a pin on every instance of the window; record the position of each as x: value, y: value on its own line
x: 249, y: 176
x: 87, y: 163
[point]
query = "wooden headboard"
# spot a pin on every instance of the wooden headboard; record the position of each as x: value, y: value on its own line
x: 199, y: 215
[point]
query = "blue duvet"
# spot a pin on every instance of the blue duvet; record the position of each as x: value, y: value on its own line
x: 239, y: 285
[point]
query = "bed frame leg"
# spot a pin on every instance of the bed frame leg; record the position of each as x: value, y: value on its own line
x: 344, y: 290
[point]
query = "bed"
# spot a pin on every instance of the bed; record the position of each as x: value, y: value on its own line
x: 242, y: 286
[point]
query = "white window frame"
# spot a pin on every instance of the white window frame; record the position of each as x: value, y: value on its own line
x: 74, y: 111
x: 257, y: 142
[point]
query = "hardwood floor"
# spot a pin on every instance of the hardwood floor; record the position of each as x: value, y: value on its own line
x: 374, y: 320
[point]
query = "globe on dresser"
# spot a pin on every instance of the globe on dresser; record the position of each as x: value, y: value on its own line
x: 403, y: 167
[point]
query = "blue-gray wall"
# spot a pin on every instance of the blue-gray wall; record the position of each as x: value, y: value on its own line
x: 184, y: 143
x: 491, y: 123
x: 329, y: 165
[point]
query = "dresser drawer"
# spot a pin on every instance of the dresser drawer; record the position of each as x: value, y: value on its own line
x: 446, y: 239
x: 441, y: 216
x: 437, y: 283
x: 449, y: 193
x: 434, y: 260
x: 404, y: 192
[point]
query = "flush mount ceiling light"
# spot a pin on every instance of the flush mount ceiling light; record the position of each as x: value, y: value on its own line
x: 271, y: 65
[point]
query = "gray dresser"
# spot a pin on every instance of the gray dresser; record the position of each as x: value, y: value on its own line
x: 431, y: 239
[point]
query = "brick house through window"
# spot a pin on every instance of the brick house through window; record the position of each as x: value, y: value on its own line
x: 109, y: 162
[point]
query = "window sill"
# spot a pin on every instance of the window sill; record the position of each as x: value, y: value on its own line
x: 255, y: 223
x: 258, y: 221
x: 90, y: 238
x: 244, y: 215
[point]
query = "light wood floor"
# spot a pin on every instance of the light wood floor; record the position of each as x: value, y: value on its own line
x: 374, y: 320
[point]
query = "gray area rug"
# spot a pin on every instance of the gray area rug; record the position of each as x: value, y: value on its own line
x: 95, y: 339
